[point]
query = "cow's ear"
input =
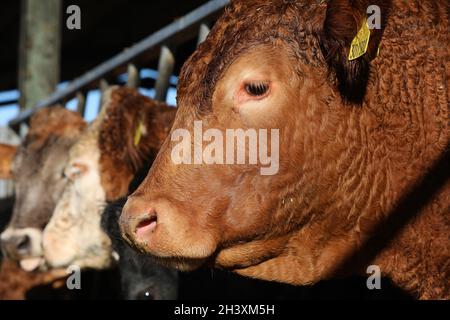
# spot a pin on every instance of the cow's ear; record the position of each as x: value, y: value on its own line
x: 340, y: 23
x: 7, y: 153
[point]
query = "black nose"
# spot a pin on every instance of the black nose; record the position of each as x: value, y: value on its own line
x: 16, y: 246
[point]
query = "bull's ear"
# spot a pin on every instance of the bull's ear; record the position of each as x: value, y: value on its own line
x: 341, y: 21
x: 7, y: 153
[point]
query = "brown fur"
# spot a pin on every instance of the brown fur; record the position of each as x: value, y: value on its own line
x: 120, y: 159
x: 7, y: 153
x: 364, y: 178
x: 16, y: 283
x: 55, y: 121
x: 47, y: 123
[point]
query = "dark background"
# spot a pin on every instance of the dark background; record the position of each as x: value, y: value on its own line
x: 107, y: 28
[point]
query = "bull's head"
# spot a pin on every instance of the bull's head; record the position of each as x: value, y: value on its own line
x: 278, y: 74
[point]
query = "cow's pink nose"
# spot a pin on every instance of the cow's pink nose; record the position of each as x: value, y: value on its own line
x: 138, y: 220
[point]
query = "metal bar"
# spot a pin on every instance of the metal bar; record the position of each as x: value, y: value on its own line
x: 203, y: 33
x: 104, y: 85
x: 165, y: 69
x: 133, y: 76
x: 8, y: 102
x: 190, y: 20
x: 81, y: 103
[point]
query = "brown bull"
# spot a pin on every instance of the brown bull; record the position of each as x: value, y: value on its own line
x: 355, y: 136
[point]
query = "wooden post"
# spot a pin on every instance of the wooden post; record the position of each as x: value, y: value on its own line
x: 104, y: 85
x: 165, y: 69
x: 39, y: 50
x: 81, y: 103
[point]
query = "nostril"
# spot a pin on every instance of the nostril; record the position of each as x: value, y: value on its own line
x: 15, y: 246
x: 147, y: 224
x: 23, y: 243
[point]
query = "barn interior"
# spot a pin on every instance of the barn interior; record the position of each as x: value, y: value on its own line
x: 116, y: 22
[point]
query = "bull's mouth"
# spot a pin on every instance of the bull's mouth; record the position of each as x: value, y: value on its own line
x: 178, y: 262
x: 181, y: 263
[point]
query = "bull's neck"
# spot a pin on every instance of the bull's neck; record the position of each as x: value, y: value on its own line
x: 357, y: 181
x: 387, y: 147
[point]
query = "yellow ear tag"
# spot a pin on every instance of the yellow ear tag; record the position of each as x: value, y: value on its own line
x: 378, y: 50
x: 138, y: 134
x: 360, y: 42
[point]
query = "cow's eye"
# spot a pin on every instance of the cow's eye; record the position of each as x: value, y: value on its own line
x: 257, y: 89
x: 75, y: 171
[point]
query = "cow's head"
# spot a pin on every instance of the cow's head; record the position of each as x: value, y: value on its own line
x: 266, y: 65
x: 125, y: 136
x: 37, y: 172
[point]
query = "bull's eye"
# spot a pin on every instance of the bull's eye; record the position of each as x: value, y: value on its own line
x: 257, y: 89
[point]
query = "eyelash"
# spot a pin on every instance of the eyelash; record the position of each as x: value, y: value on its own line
x: 256, y: 89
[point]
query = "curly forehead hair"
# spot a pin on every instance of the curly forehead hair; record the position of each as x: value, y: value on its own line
x: 242, y: 26
x: 316, y: 32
